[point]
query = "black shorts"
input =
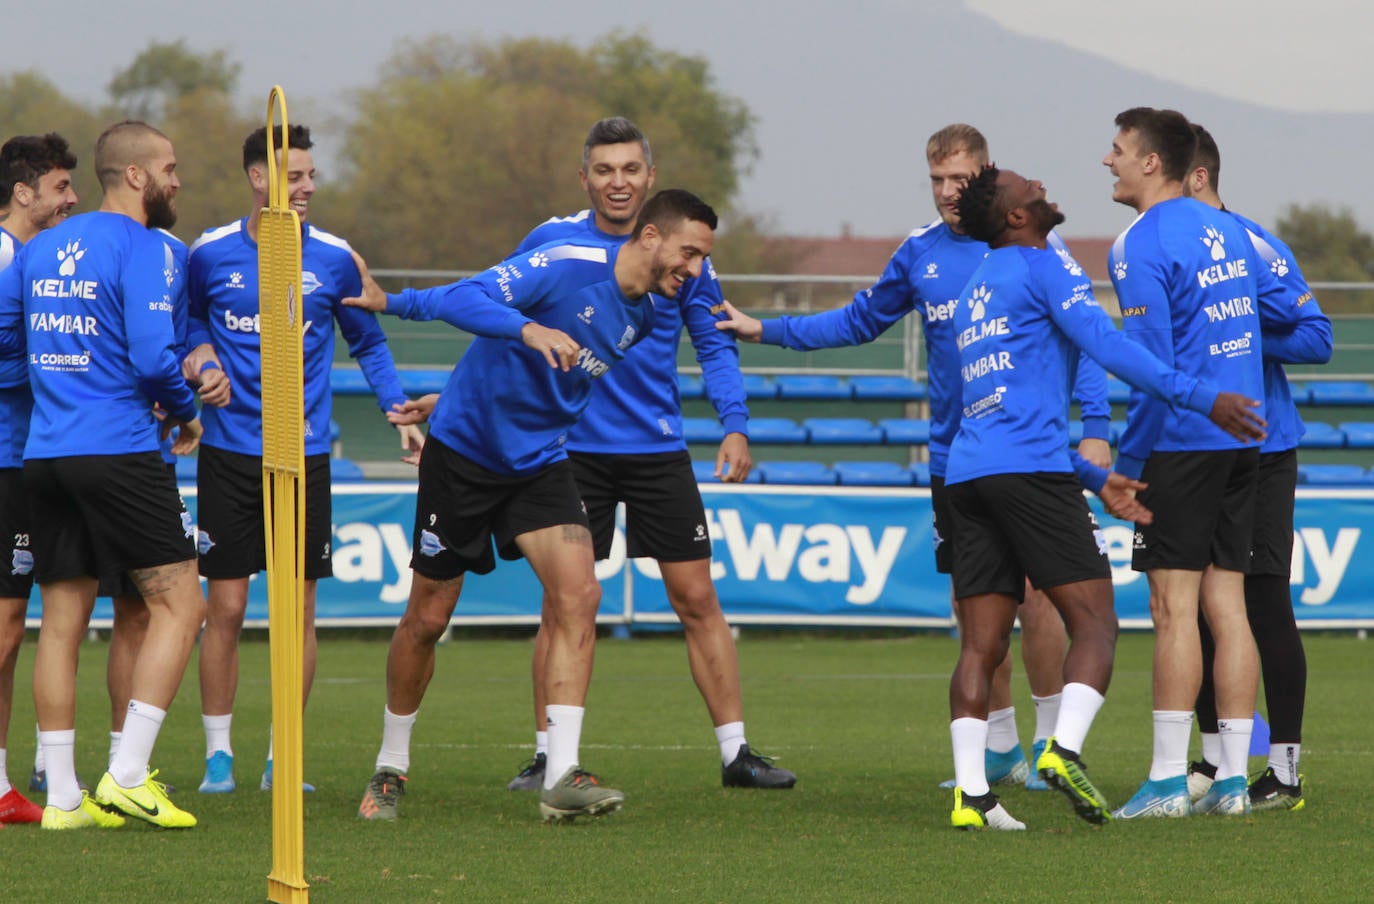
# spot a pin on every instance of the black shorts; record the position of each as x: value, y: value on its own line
x: 100, y: 515
x: 231, y: 536
x: 16, y: 530
x: 943, y: 521
x: 664, y: 516
x: 1271, y: 546
x: 119, y: 583
x: 1009, y: 527
x: 1204, y: 510
x: 461, y: 506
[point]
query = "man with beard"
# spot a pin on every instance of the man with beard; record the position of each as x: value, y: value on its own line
x: 1022, y: 321
x: 548, y: 322
x: 35, y: 193
x: 90, y: 300
x: 223, y: 289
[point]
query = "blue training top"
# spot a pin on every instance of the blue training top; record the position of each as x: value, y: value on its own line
x: 93, y: 296
x: 504, y: 407
x: 926, y: 274
x: 224, y: 312
x: 16, y: 398
x: 636, y: 408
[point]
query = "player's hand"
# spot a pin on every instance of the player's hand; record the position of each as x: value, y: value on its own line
x: 195, y: 362
x: 1118, y: 496
x: 1235, y: 414
x: 214, y: 387
x: 372, y: 297
x: 412, y: 443
x: 1097, y: 451
x: 413, y: 411
x: 742, y: 325
x: 189, y: 437
x: 734, y: 455
x: 557, y: 347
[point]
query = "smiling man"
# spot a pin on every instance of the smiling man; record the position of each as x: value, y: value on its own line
x: 548, y: 322
x: 224, y: 313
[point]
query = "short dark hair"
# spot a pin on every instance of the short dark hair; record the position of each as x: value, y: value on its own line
x: 28, y: 158
x: 956, y: 137
x: 1207, y: 156
x: 668, y: 208
x: 255, y: 145
x: 121, y: 145
x: 615, y: 130
x: 1166, y: 133
x: 982, y: 207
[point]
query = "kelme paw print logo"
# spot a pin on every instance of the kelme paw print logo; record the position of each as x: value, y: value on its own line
x: 1216, y: 242
x: 978, y: 300
x: 1279, y: 266
x: 1120, y: 269
x: 69, y: 256
x: 539, y: 259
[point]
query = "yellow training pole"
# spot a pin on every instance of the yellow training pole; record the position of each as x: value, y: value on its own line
x: 280, y: 302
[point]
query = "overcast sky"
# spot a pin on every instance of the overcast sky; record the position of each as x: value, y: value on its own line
x: 841, y: 93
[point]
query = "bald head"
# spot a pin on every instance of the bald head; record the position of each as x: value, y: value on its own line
x: 124, y: 145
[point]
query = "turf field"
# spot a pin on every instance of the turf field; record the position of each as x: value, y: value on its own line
x: 861, y: 719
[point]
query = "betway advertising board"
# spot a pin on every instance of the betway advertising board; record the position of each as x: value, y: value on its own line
x: 795, y: 556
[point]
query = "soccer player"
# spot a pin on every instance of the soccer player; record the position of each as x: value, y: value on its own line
x: 1268, y: 603
x: 1190, y: 285
x: 925, y: 275
x: 1018, y: 509
x: 35, y: 194
x: 628, y: 447
x: 548, y: 322
x: 223, y: 289
x: 90, y: 298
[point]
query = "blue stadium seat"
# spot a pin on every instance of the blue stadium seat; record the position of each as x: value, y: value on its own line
x: 348, y: 381
x: 186, y: 468
x: 776, y: 431
x: 690, y: 387
x: 334, y: 430
x: 702, y: 430
x: 423, y: 382
x: 851, y: 430
x: 805, y: 473
x: 873, y: 474
x: 1118, y: 431
x: 757, y: 386
x: 1333, y: 475
x: 904, y: 431
x: 1118, y: 391
x: 705, y: 472
x: 921, y: 472
x: 901, y: 389
x: 1358, y: 434
x: 1322, y: 436
x: 342, y: 470
x: 1302, y: 393
x: 1342, y: 392
x: 812, y: 386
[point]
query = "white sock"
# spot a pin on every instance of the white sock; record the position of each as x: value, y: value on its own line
x: 541, y: 743
x: 1077, y: 711
x: 1211, y: 747
x: 730, y: 737
x: 141, y: 727
x: 217, y: 734
x: 59, y: 752
x: 395, y: 752
x: 1046, y: 715
x: 565, y: 737
x: 4, y: 774
x: 1002, y: 735
x: 271, y: 740
x: 1283, y: 759
x: 1173, y: 729
x: 39, y: 763
x: 1235, y: 746
x: 115, y: 737
x: 970, y: 738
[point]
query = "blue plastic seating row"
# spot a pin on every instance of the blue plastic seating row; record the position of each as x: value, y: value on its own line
x: 816, y: 387
x: 815, y: 473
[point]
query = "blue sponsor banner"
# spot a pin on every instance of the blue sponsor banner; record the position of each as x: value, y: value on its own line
x: 795, y: 555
